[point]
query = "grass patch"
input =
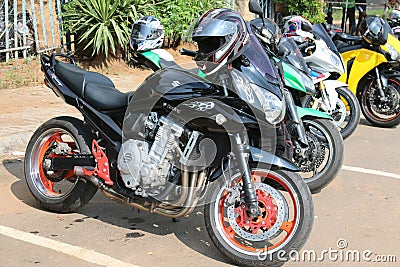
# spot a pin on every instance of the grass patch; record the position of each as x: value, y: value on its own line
x: 21, y: 72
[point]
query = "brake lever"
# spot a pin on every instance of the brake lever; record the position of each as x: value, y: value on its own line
x: 187, y: 52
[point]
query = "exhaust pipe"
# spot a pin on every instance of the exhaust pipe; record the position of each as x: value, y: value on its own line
x: 108, y: 191
x: 188, y: 197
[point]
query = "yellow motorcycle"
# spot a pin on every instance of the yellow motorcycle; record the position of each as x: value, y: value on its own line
x: 371, y: 74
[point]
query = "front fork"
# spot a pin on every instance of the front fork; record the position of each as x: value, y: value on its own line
x: 328, y: 102
x: 294, y: 116
x: 379, y: 81
x: 241, y: 151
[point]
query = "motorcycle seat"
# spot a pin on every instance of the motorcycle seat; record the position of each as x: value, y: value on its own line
x: 75, y: 77
x: 344, y: 47
x: 104, y: 97
x: 350, y: 38
x: 95, y: 88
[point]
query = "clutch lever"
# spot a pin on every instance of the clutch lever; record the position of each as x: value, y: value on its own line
x: 187, y: 52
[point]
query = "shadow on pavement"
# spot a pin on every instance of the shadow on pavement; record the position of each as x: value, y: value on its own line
x: 366, y: 123
x: 19, y: 188
x: 190, y: 230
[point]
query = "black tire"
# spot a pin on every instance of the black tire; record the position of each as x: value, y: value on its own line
x: 245, y: 254
x: 379, y: 119
x: 77, y: 191
x: 322, y: 131
x: 352, y: 115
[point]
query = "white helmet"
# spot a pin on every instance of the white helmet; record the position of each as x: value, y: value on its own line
x: 147, y: 34
x: 297, y: 26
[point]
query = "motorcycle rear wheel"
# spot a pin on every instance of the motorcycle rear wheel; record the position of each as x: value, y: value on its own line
x: 284, y: 225
x: 60, y: 191
x: 370, y: 104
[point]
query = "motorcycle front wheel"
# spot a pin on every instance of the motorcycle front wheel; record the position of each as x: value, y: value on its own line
x: 382, y: 112
x: 347, y: 113
x: 59, y: 191
x: 322, y: 159
x: 284, y: 224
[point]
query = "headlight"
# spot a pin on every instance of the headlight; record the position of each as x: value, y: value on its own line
x: 394, y: 55
x: 308, y: 83
x: 273, y: 107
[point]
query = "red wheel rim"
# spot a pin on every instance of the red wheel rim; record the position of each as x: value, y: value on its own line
x: 42, y: 151
x: 287, y: 227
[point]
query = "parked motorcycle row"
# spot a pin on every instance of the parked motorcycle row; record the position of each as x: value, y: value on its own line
x: 249, y: 133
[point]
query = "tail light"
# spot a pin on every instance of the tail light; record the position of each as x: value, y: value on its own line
x: 46, y: 82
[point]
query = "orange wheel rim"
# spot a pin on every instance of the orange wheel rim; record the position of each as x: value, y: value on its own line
x: 51, y: 143
x: 286, y: 227
x: 45, y: 147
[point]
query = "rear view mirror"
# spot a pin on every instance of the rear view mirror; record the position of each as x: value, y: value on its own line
x: 306, y: 27
x: 255, y: 8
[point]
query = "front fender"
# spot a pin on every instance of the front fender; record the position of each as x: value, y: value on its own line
x: 302, y: 112
x: 258, y: 155
x: 330, y: 86
x: 335, y: 84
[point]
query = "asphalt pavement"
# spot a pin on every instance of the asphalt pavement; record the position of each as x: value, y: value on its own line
x: 356, y: 216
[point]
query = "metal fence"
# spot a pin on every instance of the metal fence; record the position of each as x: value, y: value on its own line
x: 29, y: 27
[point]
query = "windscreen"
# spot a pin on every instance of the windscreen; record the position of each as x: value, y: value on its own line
x: 320, y: 31
x: 289, y: 48
x: 259, y: 58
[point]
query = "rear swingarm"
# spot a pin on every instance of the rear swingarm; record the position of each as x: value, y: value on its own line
x: 84, y: 164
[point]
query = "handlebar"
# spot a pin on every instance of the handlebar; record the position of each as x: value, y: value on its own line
x: 187, y: 52
x: 303, y: 45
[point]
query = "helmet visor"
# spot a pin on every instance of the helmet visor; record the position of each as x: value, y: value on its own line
x: 143, y: 32
x: 394, y: 14
x: 214, y: 27
x: 375, y: 27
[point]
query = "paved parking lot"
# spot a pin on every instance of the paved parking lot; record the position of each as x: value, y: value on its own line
x: 357, y: 214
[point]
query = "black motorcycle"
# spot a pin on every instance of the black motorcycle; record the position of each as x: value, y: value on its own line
x: 305, y: 137
x: 177, y: 142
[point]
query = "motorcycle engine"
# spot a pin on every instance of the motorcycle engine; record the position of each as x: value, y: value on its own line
x: 145, y: 167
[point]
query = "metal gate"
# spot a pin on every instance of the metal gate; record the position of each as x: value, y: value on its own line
x: 29, y: 27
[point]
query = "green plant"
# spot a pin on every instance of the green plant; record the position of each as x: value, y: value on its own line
x: 310, y: 9
x: 104, y: 24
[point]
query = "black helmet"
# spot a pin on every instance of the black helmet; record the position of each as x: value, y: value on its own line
x: 147, y: 34
x: 221, y: 36
x: 374, y: 30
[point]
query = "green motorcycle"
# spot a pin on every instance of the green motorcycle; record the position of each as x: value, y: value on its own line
x: 318, y: 150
